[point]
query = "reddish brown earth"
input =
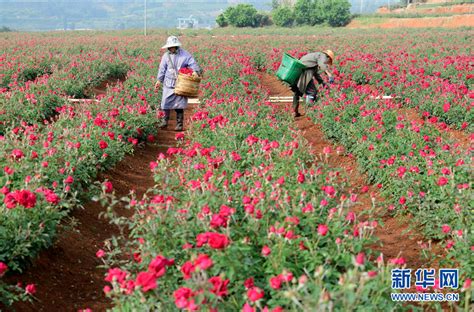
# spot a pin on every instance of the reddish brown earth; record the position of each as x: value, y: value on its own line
x: 101, y: 89
x: 274, y: 86
x: 66, y: 275
x: 451, y: 9
x: 454, y: 21
x: 395, y: 236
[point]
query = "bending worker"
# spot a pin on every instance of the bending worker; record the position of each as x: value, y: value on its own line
x: 316, y: 63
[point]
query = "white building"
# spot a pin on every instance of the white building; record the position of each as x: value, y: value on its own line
x: 189, y: 22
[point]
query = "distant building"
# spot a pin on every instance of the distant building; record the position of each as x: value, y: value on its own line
x: 189, y: 22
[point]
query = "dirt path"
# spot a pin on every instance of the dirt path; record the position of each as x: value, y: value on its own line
x: 66, y: 275
x: 101, y: 89
x: 396, y: 239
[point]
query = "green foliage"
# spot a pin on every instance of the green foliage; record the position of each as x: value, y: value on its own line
x: 221, y: 20
x: 313, y: 12
x: 304, y: 11
x: 283, y: 17
x: 6, y: 79
x: 259, y: 60
x: 263, y: 19
x: 242, y: 15
x: 29, y: 73
x: 117, y: 70
x: 336, y: 13
x: 11, y: 293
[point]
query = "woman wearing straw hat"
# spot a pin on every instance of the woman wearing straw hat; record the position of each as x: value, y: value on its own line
x: 316, y: 63
x: 172, y: 61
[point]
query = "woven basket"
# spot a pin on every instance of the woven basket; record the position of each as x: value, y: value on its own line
x: 187, y: 86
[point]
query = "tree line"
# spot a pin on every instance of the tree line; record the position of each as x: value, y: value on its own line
x: 335, y: 13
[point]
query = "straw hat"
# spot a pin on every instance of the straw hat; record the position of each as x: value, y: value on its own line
x: 330, y: 54
x: 172, y: 41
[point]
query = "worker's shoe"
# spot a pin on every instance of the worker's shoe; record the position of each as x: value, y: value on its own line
x: 297, y: 114
x: 179, y: 120
x: 163, y: 124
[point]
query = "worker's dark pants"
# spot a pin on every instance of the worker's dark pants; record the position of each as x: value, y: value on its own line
x: 311, y: 93
x: 179, y: 116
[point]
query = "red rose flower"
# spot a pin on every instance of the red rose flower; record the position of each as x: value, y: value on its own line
x: 255, y: 294
x: 10, y: 200
x: 30, y: 289
x: 203, y: 262
x: 103, y: 144
x: 215, y: 240
x: 182, y: 297
x: 50, y: 196
x: 442, y: 181
x: 116, y: 274
x: 17, y: 154
x: 187, y: 269
x: 266, y: 251
x: 108, y: 186
x: 186, y: 71
x: 446, y: 228
x: 25, y: 198
x: 275, y: 282
x: 218, y: 241
x: 249, y: 283
x: 219, y: 286
x: 3, y: 268
x: 158, y: 265
x: 146, y: 280
x: 322, y: 229
x: 360, y: 259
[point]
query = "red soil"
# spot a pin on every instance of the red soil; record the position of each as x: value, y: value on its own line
x: 454, y: 21
x: 275, y: 87
x: 452, y: 9
x: 101, y: 89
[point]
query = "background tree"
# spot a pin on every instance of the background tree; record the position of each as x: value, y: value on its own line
x: 304, y: 11
x: 221, y: 20
x: 242, y: 15
x: 337, y: 12
x: 283, y: 16
x: 263, y: 19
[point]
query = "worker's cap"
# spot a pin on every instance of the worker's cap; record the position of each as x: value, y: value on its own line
x: 330, y: 54
x: 172, y: 41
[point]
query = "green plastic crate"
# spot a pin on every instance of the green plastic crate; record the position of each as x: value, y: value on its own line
x: 290, y: 69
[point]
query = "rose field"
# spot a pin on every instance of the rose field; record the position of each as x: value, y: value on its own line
x: 248, y: 209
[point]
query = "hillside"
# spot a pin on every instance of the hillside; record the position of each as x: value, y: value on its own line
x: 430, y: 14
